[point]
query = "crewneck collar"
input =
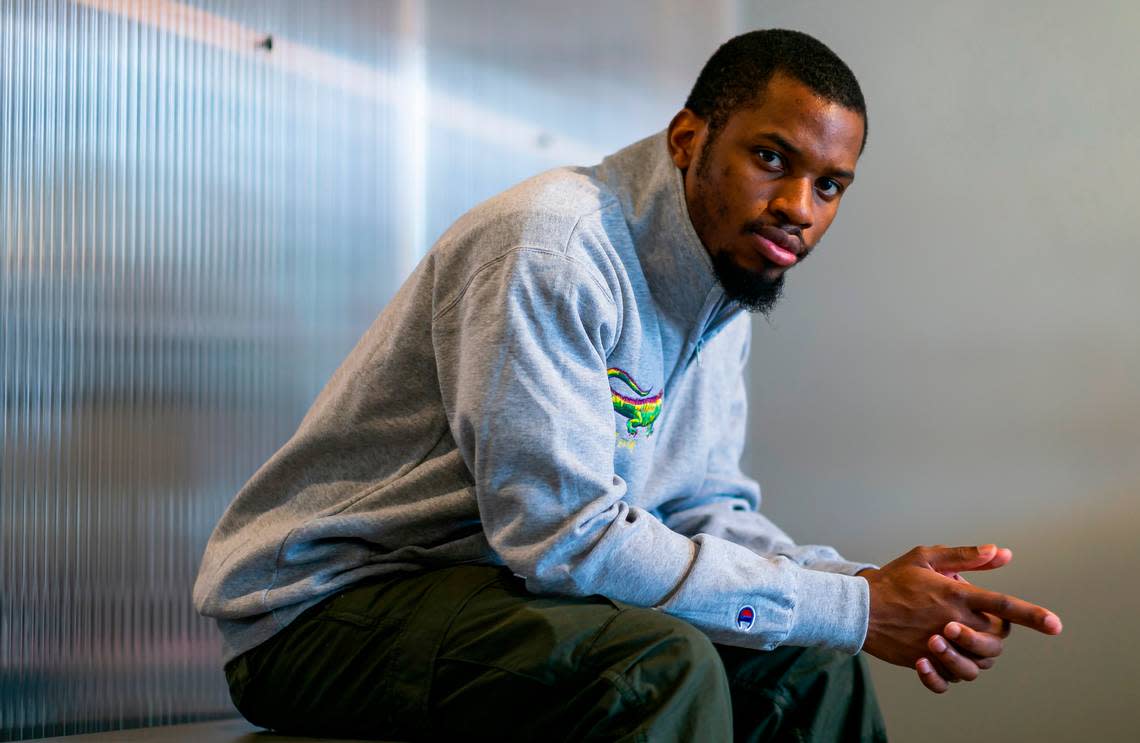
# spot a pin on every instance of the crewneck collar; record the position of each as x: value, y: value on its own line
x: 678, y: 269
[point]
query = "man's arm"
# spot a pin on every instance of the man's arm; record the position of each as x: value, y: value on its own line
x: 522, y: 367
x: 727, y: 504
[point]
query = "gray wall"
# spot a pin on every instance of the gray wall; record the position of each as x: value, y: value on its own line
x: 960, y: 361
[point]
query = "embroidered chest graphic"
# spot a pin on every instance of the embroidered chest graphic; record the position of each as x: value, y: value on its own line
x: 641, y: 408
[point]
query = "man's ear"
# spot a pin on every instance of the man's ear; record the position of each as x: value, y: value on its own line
x: 685, y: 134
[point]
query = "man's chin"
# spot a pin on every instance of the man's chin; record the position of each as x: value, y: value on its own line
x: 755, y: 291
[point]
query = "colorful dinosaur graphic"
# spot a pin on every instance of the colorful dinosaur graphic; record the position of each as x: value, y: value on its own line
x: 641, y: 411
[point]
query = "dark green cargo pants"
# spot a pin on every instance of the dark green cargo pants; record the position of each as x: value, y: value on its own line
x: 465, y: 652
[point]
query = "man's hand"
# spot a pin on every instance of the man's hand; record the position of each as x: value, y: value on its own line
x: 960, y: 654
x: 924, y: 615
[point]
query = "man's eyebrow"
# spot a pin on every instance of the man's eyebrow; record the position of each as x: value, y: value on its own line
x: 792, y: 149
x: 782, y: 143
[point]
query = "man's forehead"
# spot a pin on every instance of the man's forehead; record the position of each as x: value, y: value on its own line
x: 804, y: 119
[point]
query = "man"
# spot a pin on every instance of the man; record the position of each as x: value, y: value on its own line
x: 516, y: 510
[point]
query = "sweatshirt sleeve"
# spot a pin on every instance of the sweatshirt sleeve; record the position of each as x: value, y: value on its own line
x: 727, y: 504
x: 521, y: 356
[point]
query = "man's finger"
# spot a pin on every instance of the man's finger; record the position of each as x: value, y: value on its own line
x: 1015, y: 610
x: 958, y: 665
x: 929, y: 677
x: 949, y: 559
x: 978, y: 644
x: 1001, y: 558
x: 997, y: 626
x: 983, y: 622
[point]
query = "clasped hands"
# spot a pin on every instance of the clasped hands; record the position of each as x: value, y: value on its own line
x: 926, y: 616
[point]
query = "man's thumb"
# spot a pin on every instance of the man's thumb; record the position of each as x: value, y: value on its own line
x: 961, y: 558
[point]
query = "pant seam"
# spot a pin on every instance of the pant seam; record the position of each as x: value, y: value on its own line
x: 627, y: 692
x: 597, y: 636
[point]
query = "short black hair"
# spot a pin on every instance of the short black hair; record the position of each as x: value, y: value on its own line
x: 739, y: 71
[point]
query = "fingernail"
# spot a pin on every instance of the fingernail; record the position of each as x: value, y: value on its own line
x: 1052, y: 623
x: 939, y: 645
x: 953, y: 630
x: 987, y: 548
x: 924, y: 666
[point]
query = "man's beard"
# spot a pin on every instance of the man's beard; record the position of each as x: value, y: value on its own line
x: 750, y: 289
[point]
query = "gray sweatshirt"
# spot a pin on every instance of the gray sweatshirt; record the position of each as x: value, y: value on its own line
x: 558, y: 388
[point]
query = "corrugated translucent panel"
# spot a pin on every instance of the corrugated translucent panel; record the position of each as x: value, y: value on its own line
x: 193, y: 233
x: 202, y: 206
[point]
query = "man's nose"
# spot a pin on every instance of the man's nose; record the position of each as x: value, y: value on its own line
x: 793, y: 202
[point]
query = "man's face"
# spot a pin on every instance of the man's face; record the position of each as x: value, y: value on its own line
x: 764, y: 188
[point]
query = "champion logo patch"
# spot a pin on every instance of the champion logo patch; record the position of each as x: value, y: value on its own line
x: 745, y: 618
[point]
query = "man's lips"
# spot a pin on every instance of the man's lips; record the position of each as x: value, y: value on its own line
x: 776, y: 245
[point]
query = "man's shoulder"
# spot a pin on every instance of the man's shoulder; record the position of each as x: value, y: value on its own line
x: 541, y: 212
x: 567, y: 192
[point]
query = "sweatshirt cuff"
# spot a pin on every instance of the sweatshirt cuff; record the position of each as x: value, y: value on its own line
x: 839, y: 566
x: 831, y: 611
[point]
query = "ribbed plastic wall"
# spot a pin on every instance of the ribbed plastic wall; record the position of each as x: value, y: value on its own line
x: 192, y: 233
x: 202, y: 206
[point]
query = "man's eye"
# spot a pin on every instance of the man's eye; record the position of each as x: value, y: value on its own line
x: 770, y: 158
x: 829, y: 188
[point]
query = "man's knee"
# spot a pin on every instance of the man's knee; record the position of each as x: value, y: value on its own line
x: 813, y: 693
x: 848, y: 671
x: 820, y: 673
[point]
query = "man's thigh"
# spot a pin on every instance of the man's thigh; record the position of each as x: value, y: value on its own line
x: 354, y: 665
x: 468, y: 651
